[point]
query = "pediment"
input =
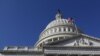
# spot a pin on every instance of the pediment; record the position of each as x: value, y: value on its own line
x: 82, y: 40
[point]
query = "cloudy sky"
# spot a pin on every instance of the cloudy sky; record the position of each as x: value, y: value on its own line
x: 21, y: 21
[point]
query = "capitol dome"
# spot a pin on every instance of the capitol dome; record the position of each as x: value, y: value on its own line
x: 58, y: 29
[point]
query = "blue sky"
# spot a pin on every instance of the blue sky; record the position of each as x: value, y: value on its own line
x: 21, y: 21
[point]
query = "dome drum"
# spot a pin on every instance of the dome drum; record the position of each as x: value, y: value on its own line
x: 54, y: 38
x: 58, y: 30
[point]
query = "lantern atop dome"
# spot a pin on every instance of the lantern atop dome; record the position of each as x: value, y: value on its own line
x: 58, y: 15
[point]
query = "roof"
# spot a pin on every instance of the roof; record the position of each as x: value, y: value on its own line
x: 78, y: 36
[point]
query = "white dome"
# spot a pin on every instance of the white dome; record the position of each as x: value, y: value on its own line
x: 59, y: 28
x: 58, y: 22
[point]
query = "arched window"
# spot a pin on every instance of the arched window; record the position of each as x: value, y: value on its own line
x: 59, y: 29
x: 68, y: 29
x: 64, y: 29
x: 55, y: 39
x: 50, y: 40
x: 60, y: 38
x: 40, y: 45
x: 72, y: 30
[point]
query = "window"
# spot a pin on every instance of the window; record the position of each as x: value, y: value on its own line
x: 41, y: 45
x: 55, y: 39
x: 64, y: 29
x: 72, y: 30
x: 59, y: 29
x: 49, y: 40
x: 61, y: 38
x: 68, y: 29
x: 90, y: 43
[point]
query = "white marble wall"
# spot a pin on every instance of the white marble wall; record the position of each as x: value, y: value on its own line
x: 86, y: 40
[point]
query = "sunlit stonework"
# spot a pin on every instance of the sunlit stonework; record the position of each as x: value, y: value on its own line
x: 61, y: 37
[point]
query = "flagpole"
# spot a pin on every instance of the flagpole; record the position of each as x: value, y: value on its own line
x: 72, y: 21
